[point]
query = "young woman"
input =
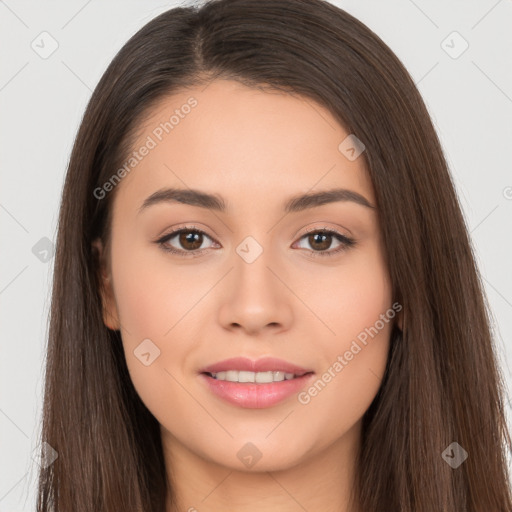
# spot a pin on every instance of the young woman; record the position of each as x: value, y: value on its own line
x: 265, y: 296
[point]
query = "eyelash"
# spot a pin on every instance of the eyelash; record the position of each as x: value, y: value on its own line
x: 345, y: 241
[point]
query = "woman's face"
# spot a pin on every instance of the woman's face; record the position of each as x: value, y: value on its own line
x: 253, y: 279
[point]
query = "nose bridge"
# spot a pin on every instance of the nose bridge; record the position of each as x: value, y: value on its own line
x: 253, y: 260
x: 256, y: 297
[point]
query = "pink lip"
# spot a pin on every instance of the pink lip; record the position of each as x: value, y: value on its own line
x: 255, y: 396
x: 265, y: 364
x: 251, y: 395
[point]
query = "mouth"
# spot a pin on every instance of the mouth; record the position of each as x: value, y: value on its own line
x: 242, y: 376
x: 256, y: 389
x: 255, y: 384
x: 246, y: 367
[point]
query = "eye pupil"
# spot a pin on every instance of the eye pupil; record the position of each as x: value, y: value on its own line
x: 323, y: 244
x: 191, y: 237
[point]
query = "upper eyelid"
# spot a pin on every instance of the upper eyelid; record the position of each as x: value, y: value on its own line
x: 324, y: 228
x: 178, y: 230
x: 165, y: 238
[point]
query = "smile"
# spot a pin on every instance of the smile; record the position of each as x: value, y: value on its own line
x: 256, y: 377
x: 255, y: 390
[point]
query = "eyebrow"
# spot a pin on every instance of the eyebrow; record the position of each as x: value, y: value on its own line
x: 215, y: 202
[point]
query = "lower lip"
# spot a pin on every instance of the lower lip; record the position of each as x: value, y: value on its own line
x: 256, y: 396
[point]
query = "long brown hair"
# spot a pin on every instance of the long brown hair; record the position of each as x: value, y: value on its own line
x: 442, y: 383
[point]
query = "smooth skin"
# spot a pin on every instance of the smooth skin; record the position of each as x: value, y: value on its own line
x: 256, y: 150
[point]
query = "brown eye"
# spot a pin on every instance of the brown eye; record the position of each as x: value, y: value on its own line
x: 190, y: 240
x: 184, y: 241
x: 321, y: 240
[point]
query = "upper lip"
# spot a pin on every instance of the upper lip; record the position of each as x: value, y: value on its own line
x: 265, y: 364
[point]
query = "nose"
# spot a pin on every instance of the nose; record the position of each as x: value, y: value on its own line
x: 256, y: 297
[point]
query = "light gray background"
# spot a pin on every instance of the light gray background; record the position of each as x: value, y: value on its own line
x: 42, y: 101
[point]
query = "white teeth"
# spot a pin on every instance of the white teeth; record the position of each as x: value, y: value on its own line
x: 245, y: 376
x: 257, y: 377
x: 265, y: 377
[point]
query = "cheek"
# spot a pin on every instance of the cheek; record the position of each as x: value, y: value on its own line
x: 351, y: 297
x: 350, y: 377
x: 152, y: 294
x: 146, y: 316
x: 155, y: 301
x: 357, y: 308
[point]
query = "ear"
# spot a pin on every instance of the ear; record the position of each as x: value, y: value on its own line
x: 110, y: 313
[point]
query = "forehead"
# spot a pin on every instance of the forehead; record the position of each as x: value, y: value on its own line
x: 242, y: 143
